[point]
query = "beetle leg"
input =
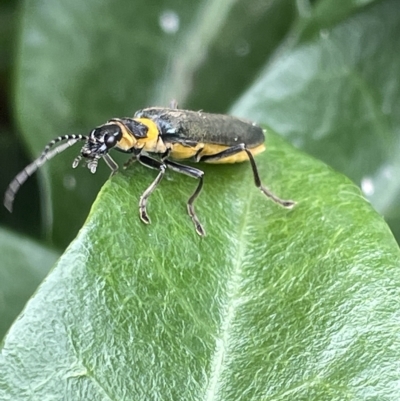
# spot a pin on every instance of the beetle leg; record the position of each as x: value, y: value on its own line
x: 129, y: 162
x: 111, y: 164
x: 242, y: 148
x: 157, y: 165
x: 132, y: 159
x: 195, y: 173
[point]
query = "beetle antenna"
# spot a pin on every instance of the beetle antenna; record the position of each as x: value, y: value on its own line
x: 47, y: 154
x: 61, y: 138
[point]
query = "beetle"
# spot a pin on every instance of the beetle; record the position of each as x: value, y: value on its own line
x: 159, y: 138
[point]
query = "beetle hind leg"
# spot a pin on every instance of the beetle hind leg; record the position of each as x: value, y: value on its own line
x: 257, y: 180
x: 285, y: 203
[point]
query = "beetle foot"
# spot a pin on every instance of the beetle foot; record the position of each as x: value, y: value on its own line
x: 143, y: 212
x: 198, y: 226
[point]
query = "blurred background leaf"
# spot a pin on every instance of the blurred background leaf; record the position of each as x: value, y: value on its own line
x: 24, y: 265
x: 336, y: 94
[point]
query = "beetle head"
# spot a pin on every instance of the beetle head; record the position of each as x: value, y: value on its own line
x: 99, y: 142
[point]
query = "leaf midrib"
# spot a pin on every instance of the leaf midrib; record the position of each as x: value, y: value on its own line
x: 232, y: 290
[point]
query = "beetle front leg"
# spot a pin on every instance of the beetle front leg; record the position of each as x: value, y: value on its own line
x: 111, y: 164
x: 157, y: 165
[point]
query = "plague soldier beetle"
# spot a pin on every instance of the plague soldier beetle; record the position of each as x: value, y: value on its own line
x: 170, y: 134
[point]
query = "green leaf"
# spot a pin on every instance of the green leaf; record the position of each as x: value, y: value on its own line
x: 227, y: 60
x: 325, y: 14
x: 24, y: 266
x: 272, y: 304
x: 336, y: 95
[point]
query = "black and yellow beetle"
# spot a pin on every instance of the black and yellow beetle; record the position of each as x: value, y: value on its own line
x: 169, y: 133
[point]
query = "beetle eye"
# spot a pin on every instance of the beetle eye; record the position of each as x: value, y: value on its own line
x: 110, y: 140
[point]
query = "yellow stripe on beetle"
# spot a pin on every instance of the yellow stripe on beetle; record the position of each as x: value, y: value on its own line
x: 236, y: 158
